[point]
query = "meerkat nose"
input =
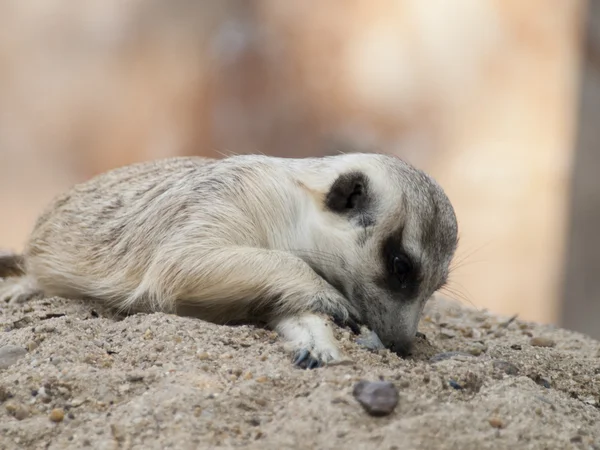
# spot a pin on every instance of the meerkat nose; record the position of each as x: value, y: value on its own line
x: 402, y: 347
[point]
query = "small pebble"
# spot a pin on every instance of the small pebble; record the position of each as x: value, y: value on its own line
x: 248, y: 376
x: 506, y: 367
x: 496, y: 422
x: 477, y: 349
x: 541, y: 341
x: 32, y: 345
x: 516, y: 347
x: 203, y: 356
x: 370, y: 341
x: 378, y: 398
x: 541, y: 381
x: 453, y: 384
x: 134, y: 377
x: 57, y: 415
x: 10, y: 354
x: 447, y: 334
x: 5, y: 394
x: 262, y: 379
x: 21, y: 413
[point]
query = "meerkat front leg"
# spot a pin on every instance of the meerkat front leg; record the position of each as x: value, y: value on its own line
x: 310, y: 338
x: 237, y: 283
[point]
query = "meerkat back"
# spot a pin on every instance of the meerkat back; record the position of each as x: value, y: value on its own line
x: 83, y: 235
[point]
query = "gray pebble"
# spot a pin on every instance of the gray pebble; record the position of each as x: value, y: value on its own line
x: 370, y: 340
x: 10, y: 354
x: 378, y: 398
x: 134, y: 377
x: 541, y: 341
x: 506, y: 367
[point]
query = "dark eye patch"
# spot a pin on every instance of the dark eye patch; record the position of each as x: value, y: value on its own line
x: 402, y: 274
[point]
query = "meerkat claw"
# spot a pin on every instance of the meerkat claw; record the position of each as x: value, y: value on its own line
x: 301, y: 356
x: 305, y: 360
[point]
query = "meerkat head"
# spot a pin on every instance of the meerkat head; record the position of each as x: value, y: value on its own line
x: 395, y: 233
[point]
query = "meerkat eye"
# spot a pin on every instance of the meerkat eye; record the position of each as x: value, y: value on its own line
x: 401, y: 266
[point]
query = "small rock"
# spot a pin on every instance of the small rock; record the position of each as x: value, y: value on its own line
x: 506, y: 367
x: 248, y: 376
x: 134, y: 377
x: 262, y: 379
x: 22, y: 322
x: 21, y: 413
x: 77, y: 402
x: 541, y: 381
x: 203, y: 356
x: 454, y: 385
x: 496, y: 422
x: 370, y: 341
x: 11, y: 407
x: 5, y: 394
x: 541, y: 341
x: 378, y: 398
x: 477, y: 349
x: 447, y: 334
x: 10, y: 354
x: 516, y: 347
x: 254, y: 421
x: 17, y: 410
x: 32, y: 345
x: 57, y: 415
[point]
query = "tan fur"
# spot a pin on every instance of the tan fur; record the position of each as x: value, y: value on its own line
x: 247, y: 238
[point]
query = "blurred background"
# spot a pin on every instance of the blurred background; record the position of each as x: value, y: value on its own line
x: 497, y: 99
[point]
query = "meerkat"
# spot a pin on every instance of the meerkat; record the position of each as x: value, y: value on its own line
x: 362, y: 238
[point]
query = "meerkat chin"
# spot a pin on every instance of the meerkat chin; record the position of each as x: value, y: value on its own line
x: 290, y: 243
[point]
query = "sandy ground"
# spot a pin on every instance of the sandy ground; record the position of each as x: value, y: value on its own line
x: 85, y: 379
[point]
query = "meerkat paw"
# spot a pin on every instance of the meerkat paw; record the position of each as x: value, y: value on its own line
x: 310, y: 339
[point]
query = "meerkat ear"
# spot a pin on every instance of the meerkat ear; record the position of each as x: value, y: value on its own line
x: 349, y: 192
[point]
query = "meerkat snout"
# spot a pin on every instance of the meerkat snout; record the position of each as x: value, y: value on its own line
x: 364, y: 238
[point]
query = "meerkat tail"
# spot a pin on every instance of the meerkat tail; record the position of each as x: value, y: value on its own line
x: 15, y: 285
x: 11, y: 265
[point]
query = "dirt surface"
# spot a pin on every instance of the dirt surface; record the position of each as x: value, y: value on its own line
x: 88, y: 380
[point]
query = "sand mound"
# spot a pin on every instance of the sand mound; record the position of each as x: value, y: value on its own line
x: 71, y: 376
